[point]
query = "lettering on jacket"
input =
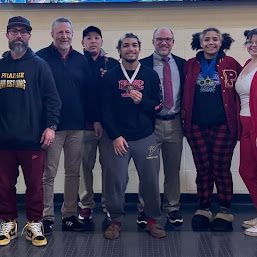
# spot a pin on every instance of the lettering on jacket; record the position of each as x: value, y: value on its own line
x: 230, y: 77
x: 127, y: 87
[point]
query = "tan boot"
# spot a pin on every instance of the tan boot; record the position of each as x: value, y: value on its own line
x: 155, y: 230
x: 113, y: 231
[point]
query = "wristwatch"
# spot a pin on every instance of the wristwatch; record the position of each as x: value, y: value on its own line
x: 53, y: 127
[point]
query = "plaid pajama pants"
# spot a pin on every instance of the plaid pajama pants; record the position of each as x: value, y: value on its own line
x: 212, y: 149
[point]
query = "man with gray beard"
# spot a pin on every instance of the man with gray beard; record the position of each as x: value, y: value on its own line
x: 29, y: 112
x: 18, y: 45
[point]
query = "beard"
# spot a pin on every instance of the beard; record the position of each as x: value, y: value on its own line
x: 18, y: 46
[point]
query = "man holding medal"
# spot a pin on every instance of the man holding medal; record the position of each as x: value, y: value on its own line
x: 131, y: 99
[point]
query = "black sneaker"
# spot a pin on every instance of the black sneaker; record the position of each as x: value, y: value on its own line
x: 85, y: 215
x: 142, y: 219
x: 107, y: 221
x: 72, y: 223
x: 175, y: 218
x: 48, y: 226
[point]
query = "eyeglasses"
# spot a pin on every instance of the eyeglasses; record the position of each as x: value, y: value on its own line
x: 166, y: 39
x: 250, y: 43
x: 15, y: 32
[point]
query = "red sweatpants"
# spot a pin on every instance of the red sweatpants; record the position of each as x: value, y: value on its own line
x: 248, y: 158
x: 32, y: 164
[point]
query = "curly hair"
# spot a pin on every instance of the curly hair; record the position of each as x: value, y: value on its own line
x: 225, y: 38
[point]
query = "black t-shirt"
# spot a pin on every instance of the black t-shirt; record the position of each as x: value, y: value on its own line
x: 208, y: 108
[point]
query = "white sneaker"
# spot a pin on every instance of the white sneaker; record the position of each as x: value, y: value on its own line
x: 252, y: 231
x: 35, y: 233
x: 8, y: 231
x: 249, y: 223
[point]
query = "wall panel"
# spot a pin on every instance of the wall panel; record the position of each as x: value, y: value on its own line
x: 114, y: 20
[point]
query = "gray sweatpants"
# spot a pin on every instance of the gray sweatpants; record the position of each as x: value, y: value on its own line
x: 145, y: 155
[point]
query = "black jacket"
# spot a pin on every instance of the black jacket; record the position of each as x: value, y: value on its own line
x: 75, y: 86
x: 98, y: 68
x: 101, y: 65
x: 29, y: 101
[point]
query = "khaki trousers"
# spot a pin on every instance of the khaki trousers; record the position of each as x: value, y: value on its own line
x: 71, y: 142
x: 90, y: 145
x: 169, y: 138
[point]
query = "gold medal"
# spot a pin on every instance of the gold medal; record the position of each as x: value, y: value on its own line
x: 129, y: 88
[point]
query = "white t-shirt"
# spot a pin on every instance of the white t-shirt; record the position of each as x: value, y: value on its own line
x: 243, y: 85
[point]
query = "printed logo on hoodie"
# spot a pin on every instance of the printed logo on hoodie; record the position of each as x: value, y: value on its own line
x: 12, y: 80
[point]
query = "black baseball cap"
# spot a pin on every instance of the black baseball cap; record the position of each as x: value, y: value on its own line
x: 19, y: 21
x: 92, y: 29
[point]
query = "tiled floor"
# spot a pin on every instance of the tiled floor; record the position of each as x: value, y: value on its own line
x: 179, y: 242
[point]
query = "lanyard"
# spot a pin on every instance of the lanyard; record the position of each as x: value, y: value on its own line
x: 130, y: 80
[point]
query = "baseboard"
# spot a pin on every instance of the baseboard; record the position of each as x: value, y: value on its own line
x: 132, y: 197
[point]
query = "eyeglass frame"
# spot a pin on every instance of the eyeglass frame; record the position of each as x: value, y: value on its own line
x: 167, y: 39
x: 14, y: 32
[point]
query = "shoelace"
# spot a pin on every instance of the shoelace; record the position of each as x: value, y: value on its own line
x: 35, y: 227
x: 5, y: 227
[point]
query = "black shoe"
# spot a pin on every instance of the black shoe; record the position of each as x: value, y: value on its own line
x: 106, y: 221
x: 222, y: 222
x: 48, y: 226
x: 201, y: 220
x: 85, y: 215
x: 175, y: 218
x: 73, y: 224
x: 142, y: 220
